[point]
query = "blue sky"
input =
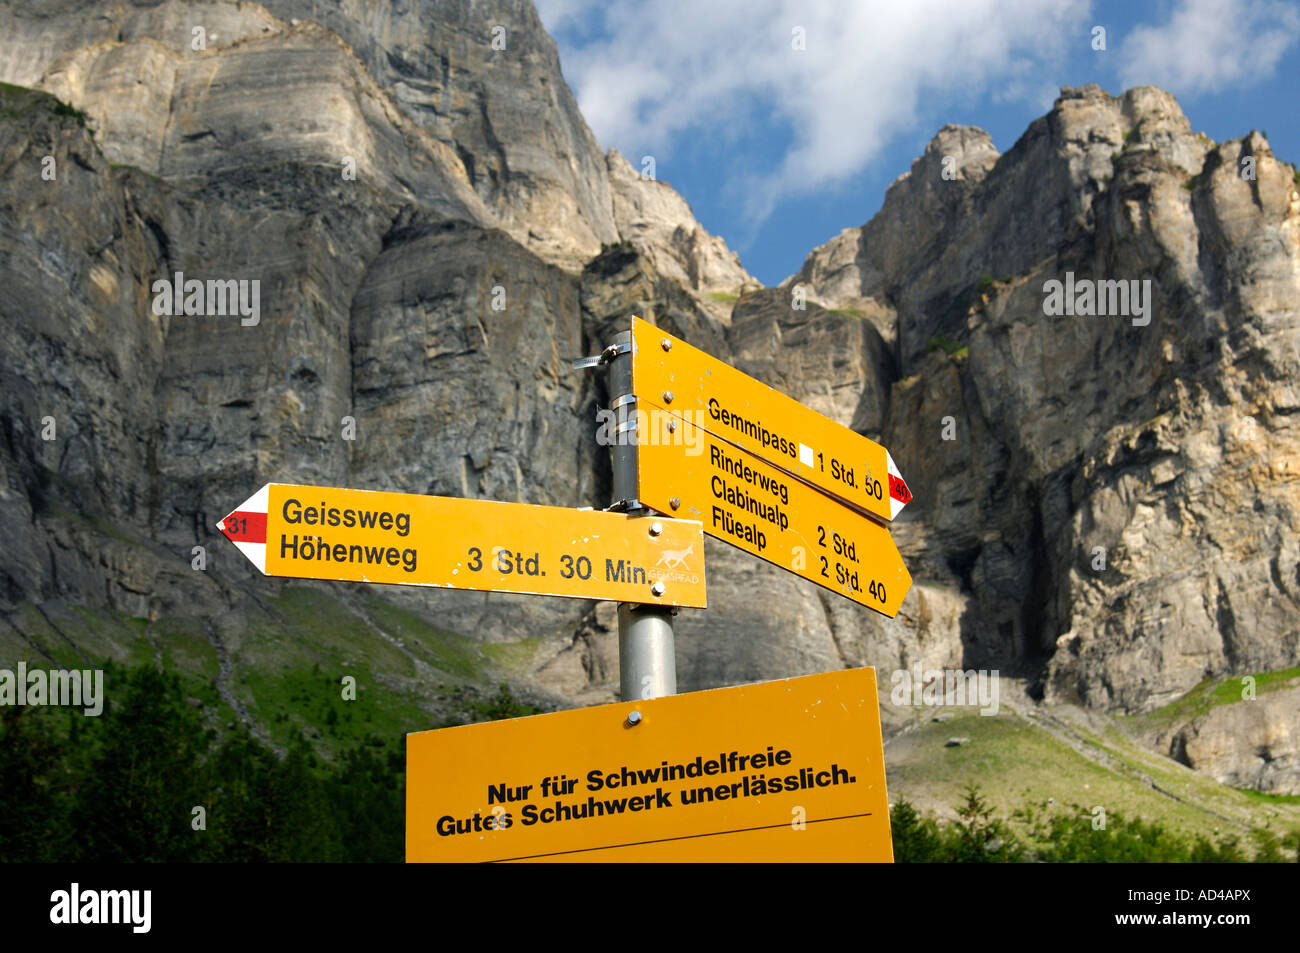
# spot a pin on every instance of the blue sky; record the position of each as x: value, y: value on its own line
x: 778, y: 148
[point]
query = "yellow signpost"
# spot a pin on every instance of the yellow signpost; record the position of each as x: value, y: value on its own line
x: 689, y: 383
x: 312, y: 532
x: 791, y: 770
x: 743, y: 501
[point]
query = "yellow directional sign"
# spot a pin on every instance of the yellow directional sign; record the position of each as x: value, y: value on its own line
x: 729, y: 404
x: 791, y: 770
x: 743, y: 501
x: 315, y: 532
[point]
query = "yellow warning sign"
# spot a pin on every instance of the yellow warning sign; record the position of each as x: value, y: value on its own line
x: 314, y: 532
x: 765, y: 511
x: 791, y: 770
x: 729, y: 404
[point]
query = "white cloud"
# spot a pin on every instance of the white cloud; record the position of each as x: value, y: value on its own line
x: 645, y: 72
x: 1207, y: 45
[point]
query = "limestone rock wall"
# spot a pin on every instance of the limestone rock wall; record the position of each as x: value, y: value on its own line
x: 1106, y: 508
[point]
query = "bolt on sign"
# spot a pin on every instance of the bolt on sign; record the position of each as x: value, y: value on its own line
x: 315, y: 532
x: 765, y: 511
x: 789, y: 770
x: 733, y: 406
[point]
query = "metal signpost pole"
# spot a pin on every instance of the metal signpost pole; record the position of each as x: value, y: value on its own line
x: 647, y: 667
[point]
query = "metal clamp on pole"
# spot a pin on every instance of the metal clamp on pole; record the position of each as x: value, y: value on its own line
x: 604, y: 357
x: 646, y: 656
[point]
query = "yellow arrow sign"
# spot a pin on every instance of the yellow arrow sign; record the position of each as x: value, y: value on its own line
x: 762, y: 510
x: 314, y: 532
x: 720, y: 399
x: 791, y: 770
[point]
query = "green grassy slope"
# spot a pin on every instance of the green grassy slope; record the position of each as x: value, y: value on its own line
x: 1018, y: 760
x: 283, y: 670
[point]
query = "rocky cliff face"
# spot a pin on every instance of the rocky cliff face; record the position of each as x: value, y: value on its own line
x: 1248, y: 744
x: 1118, y: 497
x: 1106, y: 508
